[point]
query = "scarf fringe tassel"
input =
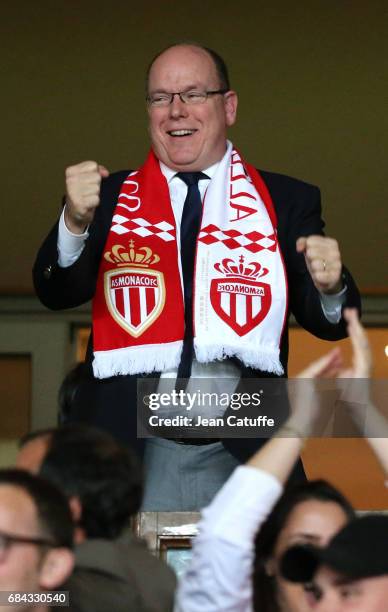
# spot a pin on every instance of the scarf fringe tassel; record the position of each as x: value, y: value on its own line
x: 132, y: 360
x: 258, y: 358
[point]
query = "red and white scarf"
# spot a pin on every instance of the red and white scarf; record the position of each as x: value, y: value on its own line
x: 240, y: 286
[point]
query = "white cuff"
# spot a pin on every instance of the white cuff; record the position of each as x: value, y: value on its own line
x: 70, y: 246
x: 332, y: 305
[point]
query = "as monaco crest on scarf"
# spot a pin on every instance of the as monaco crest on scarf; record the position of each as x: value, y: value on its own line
x: 135, y: 294
x: 238, y: 298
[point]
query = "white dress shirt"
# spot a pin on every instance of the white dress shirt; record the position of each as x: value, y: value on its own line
x: 219, y: 577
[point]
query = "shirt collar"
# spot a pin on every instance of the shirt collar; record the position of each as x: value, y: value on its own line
x: 170, y: 174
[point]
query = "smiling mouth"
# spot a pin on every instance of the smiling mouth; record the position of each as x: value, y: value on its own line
x: 180, y: 133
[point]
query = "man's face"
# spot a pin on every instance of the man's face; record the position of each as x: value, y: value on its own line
x: 179, y: 69
x: 20, y: 563
x: 331, y: 592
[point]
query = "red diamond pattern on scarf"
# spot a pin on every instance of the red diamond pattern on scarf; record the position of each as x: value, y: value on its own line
x: 232, y: 239
x: 142, y: 227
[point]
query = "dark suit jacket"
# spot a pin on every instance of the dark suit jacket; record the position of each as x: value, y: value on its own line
x: 111, y: 403
x: 120, y: 575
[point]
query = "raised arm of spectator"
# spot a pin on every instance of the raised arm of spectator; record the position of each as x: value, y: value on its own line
x: 356, y: 391
x: 219, y: 577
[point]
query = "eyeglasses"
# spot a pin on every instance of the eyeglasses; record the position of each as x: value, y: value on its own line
x: 7, y: 540
x: 188, y: 97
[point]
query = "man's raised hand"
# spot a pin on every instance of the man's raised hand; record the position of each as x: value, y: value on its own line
x: 323, y: 261
x: 83, y: 183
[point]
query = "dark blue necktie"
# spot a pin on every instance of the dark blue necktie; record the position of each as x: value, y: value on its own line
x: 190, y: 224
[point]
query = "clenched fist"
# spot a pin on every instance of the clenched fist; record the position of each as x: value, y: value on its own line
x: 83, y: 183
x: 323, y: 261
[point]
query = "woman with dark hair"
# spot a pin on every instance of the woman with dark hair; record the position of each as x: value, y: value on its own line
x: 311, y: 512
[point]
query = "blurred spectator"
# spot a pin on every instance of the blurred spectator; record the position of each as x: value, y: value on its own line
x: 36, y: 537
x: 70, y: 393
x: 103, y: 483
x: 311, y: 512
x: 350, y: 573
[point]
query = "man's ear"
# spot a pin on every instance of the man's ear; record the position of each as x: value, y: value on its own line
x: 76, y: 513
x: 75, y: 508
x: 56, y: 568
x: 230, y: 102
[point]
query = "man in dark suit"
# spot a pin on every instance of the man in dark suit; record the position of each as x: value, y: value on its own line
x: 191, y: 106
